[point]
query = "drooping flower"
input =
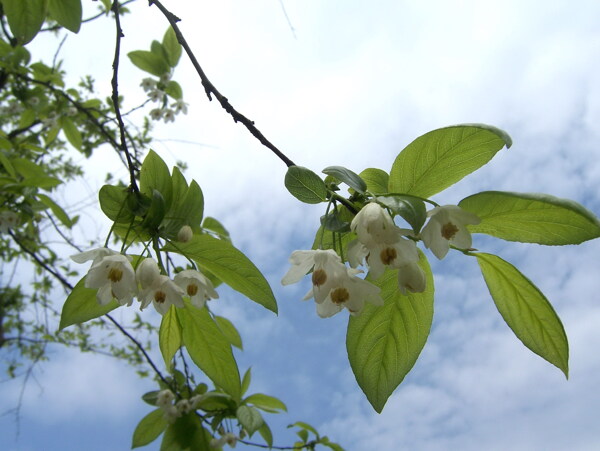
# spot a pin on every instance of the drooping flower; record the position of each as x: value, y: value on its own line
x: 147, y: 272
x: 196, y: 285
x: 114, y: 277
x: 446, y: 226
x: 8, y: 220
x: 156, y: 95
x: 148, y: 84
x: 156, y: 114
x: 411, y: 278
x: 168, y: 115
x: 180, y: 106
x: 162, y: 292
x: 380, y: 242
x: 335, y: 286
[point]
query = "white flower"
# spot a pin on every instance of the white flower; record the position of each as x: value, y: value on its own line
x: 446, y: 226
x: 162, y: 293
x: 180, y: 106
x: 228, y: 438
x: 148, y: 84
x: 8, y: 220
x: 196, y: 285
x: 165, y: 78
x: 334, y: 285
x: 156, y: 114
x: 94, y: 254
x: 374, y: 225
x: 168, y: 115
x: 165, y: 398
x: 156, y: 95
x: 411, y: 278
x: 183, y: 406
x: 114, y: 277
x: 185, y: 234
x: 72, y: 111
x: 147, y: 273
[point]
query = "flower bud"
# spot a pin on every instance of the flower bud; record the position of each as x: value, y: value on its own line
x: 185, y: 234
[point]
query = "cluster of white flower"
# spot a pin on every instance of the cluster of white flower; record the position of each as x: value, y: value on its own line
x: 156, y: 93
x: 8, y: 220
x: 380, y: 243
x: 165, y: 399
x: 113, y: 276
x: 226, y: 439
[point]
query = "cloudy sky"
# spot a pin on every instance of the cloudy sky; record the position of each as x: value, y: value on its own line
x: 352, y: 83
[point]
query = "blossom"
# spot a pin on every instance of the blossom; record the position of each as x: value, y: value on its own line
x: 148, y: 84
x: 156, y: 95
x: 180, y: 106
x: 8, y: 220
x: 156, y: 113
x: 164, y: 400
x: 185, y: 234
x: 162, y: 292
x: 168, y: 115
x: 227, y: 438
x: 196, y: 285
x: 147, y: 272
x: 380, y: 242
x: 411, y: 278
x: 114, y: 277
x: 334, y: 285
x: 446, y: 226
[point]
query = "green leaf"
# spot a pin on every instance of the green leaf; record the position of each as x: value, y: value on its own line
x: 67, y: 13
x: 25, y: 17
x: 305, y: 185
x: 56, y: 210
x: 215, y: 226
x: 27, y: 118
x: 531, y: 218
x: 440, y: 158
x: 7, y: 165
x: 249, y: 418
x: 229, y: 331
x: 173, y: 89
x: 71, y: 132
x: 266, y: 402
x: 169, y: 335
x: 149, y: 428
x: 186, y: 210
x: 186, y: 434
x: 266, y: 434
x: 526, y: 310
x: 155, y: 175
x: 246, y: 380
x: 334, y: 223
x: 327, y: 239
x: 230, y: 265
x: 113, y: 203
x: 149, y: 62
x: 350, y: 178
x: 410, y: 208
x: 383, y: 343
x: 172, y: 47
x: 81, y: 306
x: 155, y: 213
x: 377, y: 180
x: 305, y: 426
x: 209, y: 349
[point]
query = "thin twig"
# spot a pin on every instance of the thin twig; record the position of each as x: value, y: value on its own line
x: 115, y: 97
x: 210, y: 89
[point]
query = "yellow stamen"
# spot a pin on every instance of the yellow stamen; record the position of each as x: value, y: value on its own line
x: 449, y: 230
x: 192, y: 289
x: 388, y: 255
x: 115, y: 275
x: 340, y: 295
x: 319, y: 277
x: 160, y: 296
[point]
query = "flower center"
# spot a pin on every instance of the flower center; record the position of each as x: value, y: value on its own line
x: 192, y: 289
x: 339, y: 295
x: 115, y: 274
x: 388, y: 255
x: 449, y: 230
x: 160, y: 296
x: 319, y: 277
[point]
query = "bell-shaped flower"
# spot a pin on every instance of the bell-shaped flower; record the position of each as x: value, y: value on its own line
x: 334, y: 286
x: 411, y: 278
x: 147, y: 272
x: 94, y: 254
x: 196, y: 285
x: 8, y: 220
x: 114, y: 277
x: 374, y: 225
x: 162, y: 292
x: 446, y: 226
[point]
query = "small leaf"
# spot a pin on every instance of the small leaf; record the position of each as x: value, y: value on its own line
x: 266, y: 402
x: 229, y: 265
x: 266, y: 434
x: 305, y: 185
x: 71, y: 132
x: 531, y: 218
x: 249, y: 418
x: 410, y: 208
x: 169, y: 335
x: 229, y: 331
x: 186, y: 433
x: 348, y: 177
x: 526, y: 310
x: 81, y: 306
x: 246, y: 380
x: 149, y: 62
x: 173, y: 89
x: 334, y: 223
x: 209, y: 349
x: 7, y: 165
x: 327, y: 239
x: 155, y: 175
x: 149, y: 428
x: 67, y: 13
x: 113, y: 203
x: 25, y: 17
x: 215, y: 226
x: 305, y: 426
x: 172, y: 47
x: 440, y: 158
x: 377, y: 180
x: 56, y: 210
x: 155, y: 213
x: 384, y: 343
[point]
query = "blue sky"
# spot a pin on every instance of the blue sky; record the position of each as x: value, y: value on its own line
x: 354, y: 85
